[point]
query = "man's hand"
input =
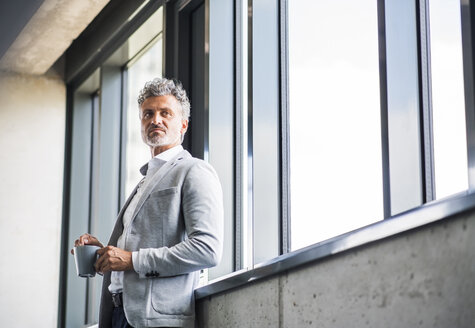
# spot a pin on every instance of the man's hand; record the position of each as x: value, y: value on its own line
x: 86, y: 239
x: 113, y: 259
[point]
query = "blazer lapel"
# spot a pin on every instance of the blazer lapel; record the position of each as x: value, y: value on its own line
x: 157, y: 177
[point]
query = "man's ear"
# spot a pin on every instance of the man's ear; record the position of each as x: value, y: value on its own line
x: 184, y: 126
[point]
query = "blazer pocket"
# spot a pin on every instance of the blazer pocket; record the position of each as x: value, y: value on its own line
x: 164, y: 192
x: 173, y: 295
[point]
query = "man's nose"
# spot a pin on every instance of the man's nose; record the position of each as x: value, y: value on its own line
x: 157, y: 118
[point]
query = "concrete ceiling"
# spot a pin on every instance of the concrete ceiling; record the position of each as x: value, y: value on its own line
x: 34, y: 34
x: 14, y: 15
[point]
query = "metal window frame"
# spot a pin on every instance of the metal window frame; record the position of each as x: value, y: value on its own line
x: 241, y: 88
x: 238, y: 85
x: 285, y: 206
x: 250, y: 138
x: 93, y: 188
x: 66, y: 206
x: 383, y: 83
x: 426, y: 102
x: 403, y: 75
x: 123, y: 138
x: 468, y: 42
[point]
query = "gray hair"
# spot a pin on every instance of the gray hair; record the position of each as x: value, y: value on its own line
x: 161, y: 86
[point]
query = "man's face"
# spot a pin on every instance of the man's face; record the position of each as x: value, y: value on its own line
x: 162, y: 123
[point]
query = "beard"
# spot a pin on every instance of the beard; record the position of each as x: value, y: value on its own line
x: 159, y: 139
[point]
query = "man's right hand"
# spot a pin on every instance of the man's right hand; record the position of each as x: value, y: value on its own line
x: 86, y: 239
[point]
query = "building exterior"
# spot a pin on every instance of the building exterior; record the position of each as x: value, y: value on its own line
x: 343, y: 133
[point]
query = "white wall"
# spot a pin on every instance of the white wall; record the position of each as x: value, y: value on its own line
x: 32, y: 124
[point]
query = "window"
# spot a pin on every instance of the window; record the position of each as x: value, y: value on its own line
x: 376, y: 114
x: 335, y: 124
x: 320, y: 118
x: 107, y: 150
x: 146, y: 44
x: 84, y: 165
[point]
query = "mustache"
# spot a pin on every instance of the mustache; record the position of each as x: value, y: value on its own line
x: 154, y: 126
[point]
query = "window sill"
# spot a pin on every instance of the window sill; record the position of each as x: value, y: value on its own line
x: 412, y: 219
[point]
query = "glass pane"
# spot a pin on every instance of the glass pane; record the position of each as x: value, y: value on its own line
x: 265, y: 130
x: 448, y: 104
x: 335, y: 133
x: 146, y: 68
x: 147, y: 31
x: 221, y: 120
x: 403, y: 106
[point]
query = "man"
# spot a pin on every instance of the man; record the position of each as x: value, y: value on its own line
x: 169, y: 228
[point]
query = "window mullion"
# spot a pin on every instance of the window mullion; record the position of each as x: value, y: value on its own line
x: 468, y: 34
x: 426, y: 103
x: 403, y: 101
x: 383, y: 85
x: 284, y: 128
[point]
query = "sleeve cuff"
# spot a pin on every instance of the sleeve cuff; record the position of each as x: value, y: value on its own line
x: 135, y: 261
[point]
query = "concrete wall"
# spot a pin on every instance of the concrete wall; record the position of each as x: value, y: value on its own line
x: 32, y: 124
x: 423, y: 278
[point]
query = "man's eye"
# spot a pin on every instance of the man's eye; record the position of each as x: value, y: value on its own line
x: 147, y: 115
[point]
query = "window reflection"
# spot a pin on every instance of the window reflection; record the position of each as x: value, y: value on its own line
x: 335, y: 133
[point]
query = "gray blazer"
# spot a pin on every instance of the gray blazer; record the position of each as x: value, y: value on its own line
x: 177, y: 229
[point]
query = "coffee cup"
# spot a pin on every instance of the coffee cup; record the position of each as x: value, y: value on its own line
x: 85, y: 258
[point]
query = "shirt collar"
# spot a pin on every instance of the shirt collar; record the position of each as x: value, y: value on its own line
x: 169, y: 153
x: 160, y: 159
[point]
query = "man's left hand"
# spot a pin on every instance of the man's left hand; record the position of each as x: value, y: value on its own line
x: 113, y: 259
